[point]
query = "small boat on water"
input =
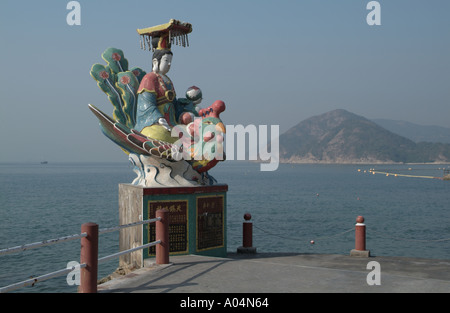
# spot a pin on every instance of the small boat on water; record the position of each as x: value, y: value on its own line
x: 44, y: 162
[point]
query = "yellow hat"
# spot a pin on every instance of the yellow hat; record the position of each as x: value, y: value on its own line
x: 163, y: 36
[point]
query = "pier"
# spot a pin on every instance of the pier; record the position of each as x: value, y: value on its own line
x: 247, y: 271
x: 284, y: 273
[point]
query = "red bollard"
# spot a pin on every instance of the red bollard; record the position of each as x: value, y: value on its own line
x: 360, y: 234
x: 247, y: 231
x: 89, y: 256
x: 247, y: 236
x: 162, y: 233
x: 360, y: 239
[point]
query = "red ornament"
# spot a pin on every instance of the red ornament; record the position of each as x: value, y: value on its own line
x: 125, y: 80
x: 116, y: 56
x: 213, y: 110
x: 104, y: 75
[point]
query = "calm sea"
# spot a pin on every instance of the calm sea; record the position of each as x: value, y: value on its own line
x: 405, y: 215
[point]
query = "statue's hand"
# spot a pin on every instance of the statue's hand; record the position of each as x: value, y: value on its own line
x: 162, y: 121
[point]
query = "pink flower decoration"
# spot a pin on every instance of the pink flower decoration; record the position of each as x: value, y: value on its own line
x: 125, y: 80
x: 104, y: 75
x: 116, y: 56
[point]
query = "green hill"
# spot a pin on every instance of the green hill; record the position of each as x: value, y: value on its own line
x: 340, y: 136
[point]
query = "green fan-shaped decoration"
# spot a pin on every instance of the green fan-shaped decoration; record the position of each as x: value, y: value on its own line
x: 116, y: 60
x: 119, y: 84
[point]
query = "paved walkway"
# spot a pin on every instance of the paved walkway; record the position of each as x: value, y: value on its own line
x: 284, y: 273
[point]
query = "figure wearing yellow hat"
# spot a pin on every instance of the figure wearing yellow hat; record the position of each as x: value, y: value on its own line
x: 158, y: 109
x: 146, y: 109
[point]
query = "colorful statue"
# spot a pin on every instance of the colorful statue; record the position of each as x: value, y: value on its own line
x: 170, y: 140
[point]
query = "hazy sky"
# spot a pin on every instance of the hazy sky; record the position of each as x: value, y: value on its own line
x: 272, y: 62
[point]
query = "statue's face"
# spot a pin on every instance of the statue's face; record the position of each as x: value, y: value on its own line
x: 164, y: 65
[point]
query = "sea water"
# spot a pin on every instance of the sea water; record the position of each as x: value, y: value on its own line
x: 406, y: 215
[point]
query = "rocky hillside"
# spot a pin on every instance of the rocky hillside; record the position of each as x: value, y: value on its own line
x: 340, y: 136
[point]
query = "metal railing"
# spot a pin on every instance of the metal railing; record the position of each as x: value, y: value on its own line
x: 89, y: 252
x: 118, y: 254
x: 41, y: 244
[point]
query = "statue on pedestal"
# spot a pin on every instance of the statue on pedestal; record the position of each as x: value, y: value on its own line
x: 169, y: 140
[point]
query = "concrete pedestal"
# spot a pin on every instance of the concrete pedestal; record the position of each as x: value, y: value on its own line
x: 197, y: 220
x: 246, y: 250
x: 360, y: 253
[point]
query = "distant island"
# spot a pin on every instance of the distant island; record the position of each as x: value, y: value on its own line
x: 340, y: 136
x: 417, y: 133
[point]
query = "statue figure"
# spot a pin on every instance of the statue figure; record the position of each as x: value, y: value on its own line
x: 170, y: 141
x: 157, y: 109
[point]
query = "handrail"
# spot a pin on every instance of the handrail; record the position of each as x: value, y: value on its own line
x: 41, y: 244
x: 49, y: 242
x: 82, y: 236
x: 110, y: 230
x: 32, y: 281
x: 118, y: 254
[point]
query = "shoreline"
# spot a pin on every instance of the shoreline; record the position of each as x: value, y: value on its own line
x: 282, y: 161
x: 359, y: 163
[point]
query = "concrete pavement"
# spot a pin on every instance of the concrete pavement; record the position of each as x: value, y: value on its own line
x: 285, y: 273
